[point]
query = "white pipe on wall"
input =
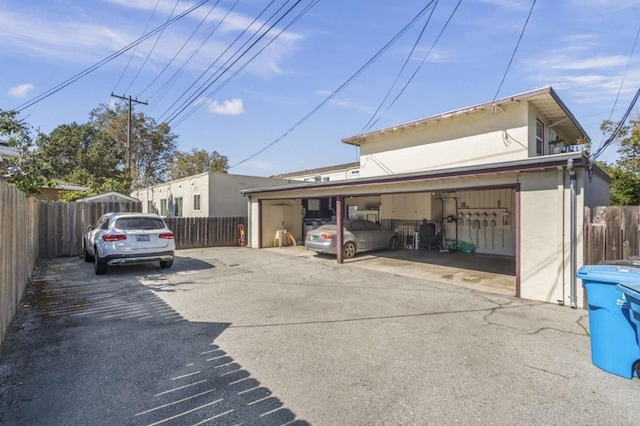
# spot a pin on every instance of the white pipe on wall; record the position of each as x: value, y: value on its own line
x: 572, y: 209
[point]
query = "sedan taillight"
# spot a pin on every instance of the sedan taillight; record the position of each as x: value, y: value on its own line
x: 167, y: 236
x: 326, y: 236
x: 114, y: 237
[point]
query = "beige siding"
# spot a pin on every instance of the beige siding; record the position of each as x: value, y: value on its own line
x: 224, y: 196
x: 281, y: 215
x: 596, y: 190
x: 472, y: 139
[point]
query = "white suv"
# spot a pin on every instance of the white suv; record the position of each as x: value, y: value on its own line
x: 120, y: 238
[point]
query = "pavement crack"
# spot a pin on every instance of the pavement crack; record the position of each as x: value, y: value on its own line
x: 547, y: 371
x: 582, y: 326
x: 540, y: 330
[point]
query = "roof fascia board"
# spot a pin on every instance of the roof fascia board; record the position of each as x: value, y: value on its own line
x: 539, y: 163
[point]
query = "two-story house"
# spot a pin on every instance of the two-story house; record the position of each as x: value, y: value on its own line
x: 508, y: 176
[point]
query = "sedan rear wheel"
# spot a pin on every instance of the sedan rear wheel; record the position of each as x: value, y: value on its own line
x: 394, y: 243
x: 349, y: 250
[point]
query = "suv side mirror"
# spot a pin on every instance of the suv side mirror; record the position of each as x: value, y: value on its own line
x: 90, y: 228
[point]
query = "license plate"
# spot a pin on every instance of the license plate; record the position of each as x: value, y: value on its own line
x: 142, y: 238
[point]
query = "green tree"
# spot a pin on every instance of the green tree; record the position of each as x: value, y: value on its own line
x: 28, y: 171
x: 152, y: 145
x: 81, y: 153
x: 197, y: 161
x: 625, y: 173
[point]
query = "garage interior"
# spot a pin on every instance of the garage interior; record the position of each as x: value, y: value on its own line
x: 475, y: 227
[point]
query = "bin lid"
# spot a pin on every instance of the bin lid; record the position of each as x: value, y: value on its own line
x: 610, y: 274
x: 632, y: 290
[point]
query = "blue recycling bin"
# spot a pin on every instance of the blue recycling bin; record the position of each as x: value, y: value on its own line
x: 614, y: 339
x: 632, y: 294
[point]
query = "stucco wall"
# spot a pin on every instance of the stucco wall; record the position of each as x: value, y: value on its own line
x: 545, y: 238
x: 475, y: 138
x: 280, y: 215
x: 597, y: 190
x: 185, y: 188
x: 224, y: 192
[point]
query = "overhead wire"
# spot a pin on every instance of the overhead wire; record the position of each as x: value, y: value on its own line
x: 155, y: 43
x: 618, y: 128
x: 340, y: 88
x: 184, y: 44
x: 106, y: 60
x: 208, y: 82
x: 195, y: 107
x: 136, y: 48
x: 402, y: 68
x: 624, y: 76
x: 504, y: 76
x: 419, y: 67
x: 162, y: 91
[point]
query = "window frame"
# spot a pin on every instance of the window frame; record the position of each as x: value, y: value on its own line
x: 197, y: 206
x: 540, y: 139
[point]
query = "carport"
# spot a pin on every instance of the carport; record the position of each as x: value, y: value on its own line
x: 479, y: 204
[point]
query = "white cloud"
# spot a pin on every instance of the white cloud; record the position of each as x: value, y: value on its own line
x: 436, y: 55
x: 80, y: 38
x: 230, y: 107
x: 508, y: 4
x: 565, y: 62
x: 21, y: 90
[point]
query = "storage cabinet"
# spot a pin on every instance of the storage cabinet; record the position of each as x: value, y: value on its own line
x: 411, y: 206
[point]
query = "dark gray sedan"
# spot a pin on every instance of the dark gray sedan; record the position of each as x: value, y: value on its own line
x: 359, y: 236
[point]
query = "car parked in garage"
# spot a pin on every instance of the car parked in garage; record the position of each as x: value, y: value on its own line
x: 359, y: 236
x: 122, y: 238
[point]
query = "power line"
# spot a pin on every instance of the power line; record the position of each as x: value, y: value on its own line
x: 104, y: 61
x: 204, y: 19
x: 208, y: 82
x: 341, y: 87
x: 155, y: 43
x: 164, y: 89
x: 404, y: 65
x: 514, y: 51
x: 224, y: 83
x: 134, y: 50
x: 624, y: 76
x: 435, y: 42
x: 618, y: 128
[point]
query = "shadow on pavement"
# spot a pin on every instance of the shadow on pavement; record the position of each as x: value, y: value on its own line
x: 110, y: 351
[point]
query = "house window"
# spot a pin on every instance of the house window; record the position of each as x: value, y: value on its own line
x: 539, y: 138
x: 196, y: 202
x: 355, y: 172
x: 325, y: 179
x: 318, y: 178
x: 163, y: 207
x: 177, y: 207
x: 150, y: 208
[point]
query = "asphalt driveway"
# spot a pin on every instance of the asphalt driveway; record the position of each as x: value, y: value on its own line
x: 234, y: 335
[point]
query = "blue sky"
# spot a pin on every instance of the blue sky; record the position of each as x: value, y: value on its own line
x: 580, y: 47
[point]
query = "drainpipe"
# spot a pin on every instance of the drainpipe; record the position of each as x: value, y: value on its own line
x: 339, y: 228
x: 572, y: 234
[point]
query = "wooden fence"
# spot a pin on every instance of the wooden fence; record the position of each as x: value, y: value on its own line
x: 611, y: 233
x: 62, y: 225
x: 198, y: 232
x: 18, y: 249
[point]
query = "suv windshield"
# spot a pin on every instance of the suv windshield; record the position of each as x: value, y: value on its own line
x: 127, y: 223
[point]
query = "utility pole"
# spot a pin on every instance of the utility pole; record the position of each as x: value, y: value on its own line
x: 128, y: 156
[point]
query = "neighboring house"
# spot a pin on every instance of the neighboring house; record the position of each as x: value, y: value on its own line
x: 108, y: 197
x: 52, y: 193
x: 209, y: 194
x: 5, y: 151
x: 498, y: 175
x: 325, y: 174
